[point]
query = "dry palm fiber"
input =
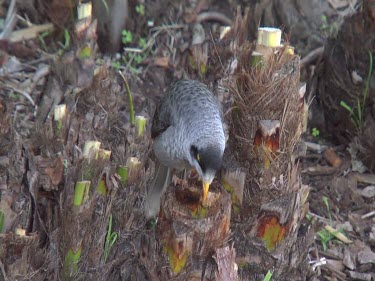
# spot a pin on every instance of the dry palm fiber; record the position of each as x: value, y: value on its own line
x: 268, y: 102
x: 266, y: 92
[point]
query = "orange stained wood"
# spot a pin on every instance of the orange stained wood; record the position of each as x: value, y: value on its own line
x: 271, y: 231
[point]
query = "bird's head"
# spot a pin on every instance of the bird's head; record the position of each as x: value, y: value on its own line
x: 207, y: 161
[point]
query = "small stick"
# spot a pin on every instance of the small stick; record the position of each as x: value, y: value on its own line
x: 213, y: 16
x: 311, y: 57
x: 365, y: 178
x: 24, y: 93
x: 315, y: 147
x: 370, y: 214
x: 338, y: 234
x: 3, y: 271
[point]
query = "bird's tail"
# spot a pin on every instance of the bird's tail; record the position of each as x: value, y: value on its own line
x: 159, y: 185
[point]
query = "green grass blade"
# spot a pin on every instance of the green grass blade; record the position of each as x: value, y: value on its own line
x: 130, y: 98
x: 110, y: 239
x: 110, y: 225
x: 368, y: 80
x: 325, y: 200
x: 346, y: 106
x: 268, y: 276
x: 359, y: 112
x: 2, y: 219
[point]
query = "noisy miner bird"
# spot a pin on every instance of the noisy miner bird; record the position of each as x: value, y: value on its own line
x: 188, y: 132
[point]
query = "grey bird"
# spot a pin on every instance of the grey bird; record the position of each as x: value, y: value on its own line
x: 188, y: 132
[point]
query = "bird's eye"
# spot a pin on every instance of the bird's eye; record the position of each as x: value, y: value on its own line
x: 194, y: 153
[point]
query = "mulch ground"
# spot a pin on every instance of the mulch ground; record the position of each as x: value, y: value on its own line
x: 46, y: 70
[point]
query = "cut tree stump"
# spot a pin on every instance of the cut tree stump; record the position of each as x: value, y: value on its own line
x: 266, y: 124
x: 189, y: 233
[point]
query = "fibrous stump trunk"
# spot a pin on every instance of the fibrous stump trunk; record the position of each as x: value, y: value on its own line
x: 266, y: 124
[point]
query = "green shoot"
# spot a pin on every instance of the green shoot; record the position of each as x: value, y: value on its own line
x: 67, y: 38
x: 128, y: 61
x: 324, y: 22
x: 140, y: 9
x: 357, y: 117
x: 142, y: 43
x: 127, y: 37
x: 330, y: 29
x: 324, y: 234
x: 131, y: 106
x: 140, y: 125
x: 2, y: 219
x: 325, y: 237
x: 268, y: 276
x: 325, y: 200
x: 41, y: 38
x: 368, y: 80
x: 66, y: 42
x: 315, y: 132
x: 130, y: 98
x: 110, y: 239
x: 116, y: 65
x: 138, y: 59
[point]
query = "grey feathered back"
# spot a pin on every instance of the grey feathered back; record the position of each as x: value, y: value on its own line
x: 180, y: 96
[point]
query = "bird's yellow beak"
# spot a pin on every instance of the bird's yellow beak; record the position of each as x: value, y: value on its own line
x: 206, y: 186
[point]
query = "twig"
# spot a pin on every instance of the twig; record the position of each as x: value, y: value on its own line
x: 39, y: 74
x: 364, y: 178
x: 3, y: 271
x: 164, y: 27
x: 319, y: 170
x: 315, y: 147
x: 311, y: 57
x: 338, y: 234
x: 213, y: 16
x: 134, y: 50
x: 321, y: 219
x: 30, y: 32
x: 10, y: 20
x: 24, y: 93
x: 370, y: 214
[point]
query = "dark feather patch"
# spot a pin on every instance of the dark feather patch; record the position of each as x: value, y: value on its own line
x: 158, y: 125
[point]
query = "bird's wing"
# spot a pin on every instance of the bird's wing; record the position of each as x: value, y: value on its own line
x: 162, y: 119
